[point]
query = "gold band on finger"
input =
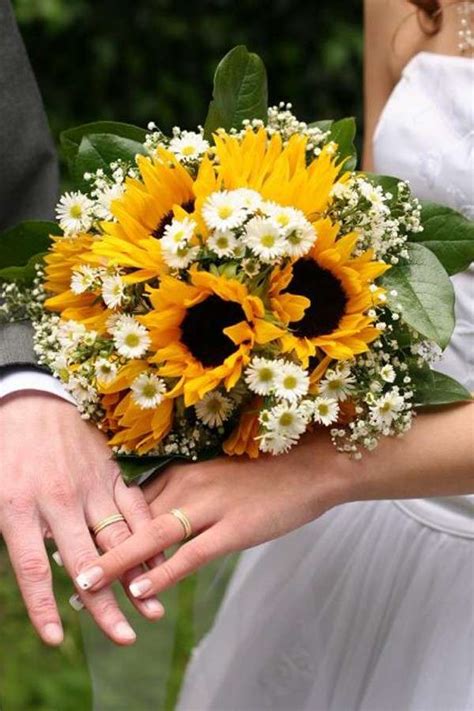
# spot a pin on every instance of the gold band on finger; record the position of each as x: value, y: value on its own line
x: 116, y: 518
x: 184, y: 521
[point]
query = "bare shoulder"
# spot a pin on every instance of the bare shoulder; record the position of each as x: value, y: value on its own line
x: 393, y: 25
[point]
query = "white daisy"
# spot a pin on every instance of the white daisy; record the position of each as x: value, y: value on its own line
x: 182, y: 258
x: 177, y: 235
x: 385, y: 410
x: 251, y: 266
x: 250, y: 199
x: 113, y: 290
x: 148, y: 390
x: 224, y: 210
x: 325, y: 410
x: 387, y: 373
x: 287, y: 419
x: 83, y: 278
x: 70, y: 333
x: 81, y: 390
x: 300, y: 240
x: 188, y: 145
x: 337, y: 382
x: 104, y: 199
x: 214, y: 409
x: 273, y: 443
x: 222, y: 242
x: 74, y: 213
x: 105, y: 370
x: 291, y: 382
x: 261, y: 375
x: 287, y: 218
x: 264, y: 238
x: 131, y: 339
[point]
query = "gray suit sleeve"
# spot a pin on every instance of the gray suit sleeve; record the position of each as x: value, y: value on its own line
x: 29, y: 170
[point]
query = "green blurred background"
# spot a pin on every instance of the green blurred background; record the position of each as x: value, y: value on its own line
x: 145, y: 60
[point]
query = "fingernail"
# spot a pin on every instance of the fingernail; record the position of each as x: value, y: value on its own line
x: 154, y: 606
x: 138, y: 589
x: 57, y: 558
x: 76, y: 603
x: 125, y: 632
x: 89, y: 578
x: 52, y: 633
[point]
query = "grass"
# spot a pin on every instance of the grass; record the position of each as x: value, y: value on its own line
x: 87, y: 666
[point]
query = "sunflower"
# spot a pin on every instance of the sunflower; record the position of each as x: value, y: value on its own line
x: 135, y: 428
x: 279, y: 173
x: 203, y: 331
x: 338, y: 290
x: 147, y: 206
x: 65, y: 255
x: 243, y: 439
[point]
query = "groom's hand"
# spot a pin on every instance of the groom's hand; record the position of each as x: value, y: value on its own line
x: 57, y: 476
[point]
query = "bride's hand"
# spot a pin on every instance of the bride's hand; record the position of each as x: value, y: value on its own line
x: 232, y: 504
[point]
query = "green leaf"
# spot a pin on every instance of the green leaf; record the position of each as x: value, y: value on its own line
x: 98, y: 150
x: 433, y: 389
x: 343, y: 133
x: 425, y: 294
x: 388, y: 183
x: 448, y: 234
x: 71, y: 139
x: 240, y: 91
x: 22, y: 246
x: 324, y: 125
x: 134, y: 467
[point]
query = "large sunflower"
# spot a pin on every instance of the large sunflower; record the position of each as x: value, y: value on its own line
x: 66, y: 254
x: 203, y: 332
x: 142, y: 214
x: 338, y: 291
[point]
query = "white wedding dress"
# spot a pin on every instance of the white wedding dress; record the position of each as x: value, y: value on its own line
x: 369, y: 608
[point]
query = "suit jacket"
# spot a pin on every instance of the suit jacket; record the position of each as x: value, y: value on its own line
x: 29, y: 170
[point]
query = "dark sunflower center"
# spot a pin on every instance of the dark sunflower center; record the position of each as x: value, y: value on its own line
x: 202, y: 330
x: 168, y: 218
x: 326, y: 294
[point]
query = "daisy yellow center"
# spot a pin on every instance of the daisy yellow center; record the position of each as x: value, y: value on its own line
x: 267, y: 240
x: 213, y: 406
x: 222, y: 242
x: 178, y: 236
x: 290, y: 382
x: 386, y: 407
x: 335, y: 384
x: 265, y: 375
x: 286, y: 419
x: 283, y: 220
x: 75, y: 211
x: 132, y: 340
x: 294, y: 237
x: 149, y: 390
x: 225, y: 211
x: 188, y: 150
x: 323, y: 409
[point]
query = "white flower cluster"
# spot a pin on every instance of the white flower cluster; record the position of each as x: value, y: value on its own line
x: 382, y: 219
x: 282, y: 120
x: 106, y: 282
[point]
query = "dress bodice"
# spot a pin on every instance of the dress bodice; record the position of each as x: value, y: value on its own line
x: 426, y: 136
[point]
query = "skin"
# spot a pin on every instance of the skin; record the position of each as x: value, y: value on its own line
x: 235, y: 504
x: 68, y: 484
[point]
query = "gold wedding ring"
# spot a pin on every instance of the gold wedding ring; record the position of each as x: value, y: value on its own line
x: 184, y: 521
x: 116, y: 518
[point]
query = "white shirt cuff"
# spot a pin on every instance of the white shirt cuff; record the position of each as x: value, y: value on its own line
x: 29, y: 379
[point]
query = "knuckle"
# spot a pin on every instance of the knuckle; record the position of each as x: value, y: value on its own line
x: 41, y: 606
x: 33, y: 568
x: 156, y: 532
x: 195, y: 554
x: 137, y: 507
x: 83, y: 558
x: 62, y: 496
x: 107, y: 609
x: 18, y: 504
x: 115, y: 536
x: 168, y: 574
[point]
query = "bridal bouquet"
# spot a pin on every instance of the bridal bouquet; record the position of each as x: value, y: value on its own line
x: 229, y: 288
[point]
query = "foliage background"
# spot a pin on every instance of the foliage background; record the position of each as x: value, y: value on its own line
x: 154, y: 60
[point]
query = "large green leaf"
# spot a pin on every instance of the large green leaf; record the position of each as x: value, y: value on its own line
x: 448, y: 234
x: 71, y: 139
x: 425, y: 294
x: 98, y: 150
x: 22, y: 246
x: 240, y: 91
x: 133, y: 468
x: 433, y: 389
x: 343, y: 133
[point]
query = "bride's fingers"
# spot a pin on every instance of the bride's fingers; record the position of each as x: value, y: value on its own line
x: 152, y: 539
x: 132, y: 503
x: 117, y: 533
x: 187, y: 560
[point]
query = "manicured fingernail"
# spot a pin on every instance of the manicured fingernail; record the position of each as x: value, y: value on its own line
x: 52, y: 633
x: 154, y: 606
x: 57, y: 558
x: 140, y: 588
x: 125, y: 632
x: 76, y: 603
x: 89, y: 578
